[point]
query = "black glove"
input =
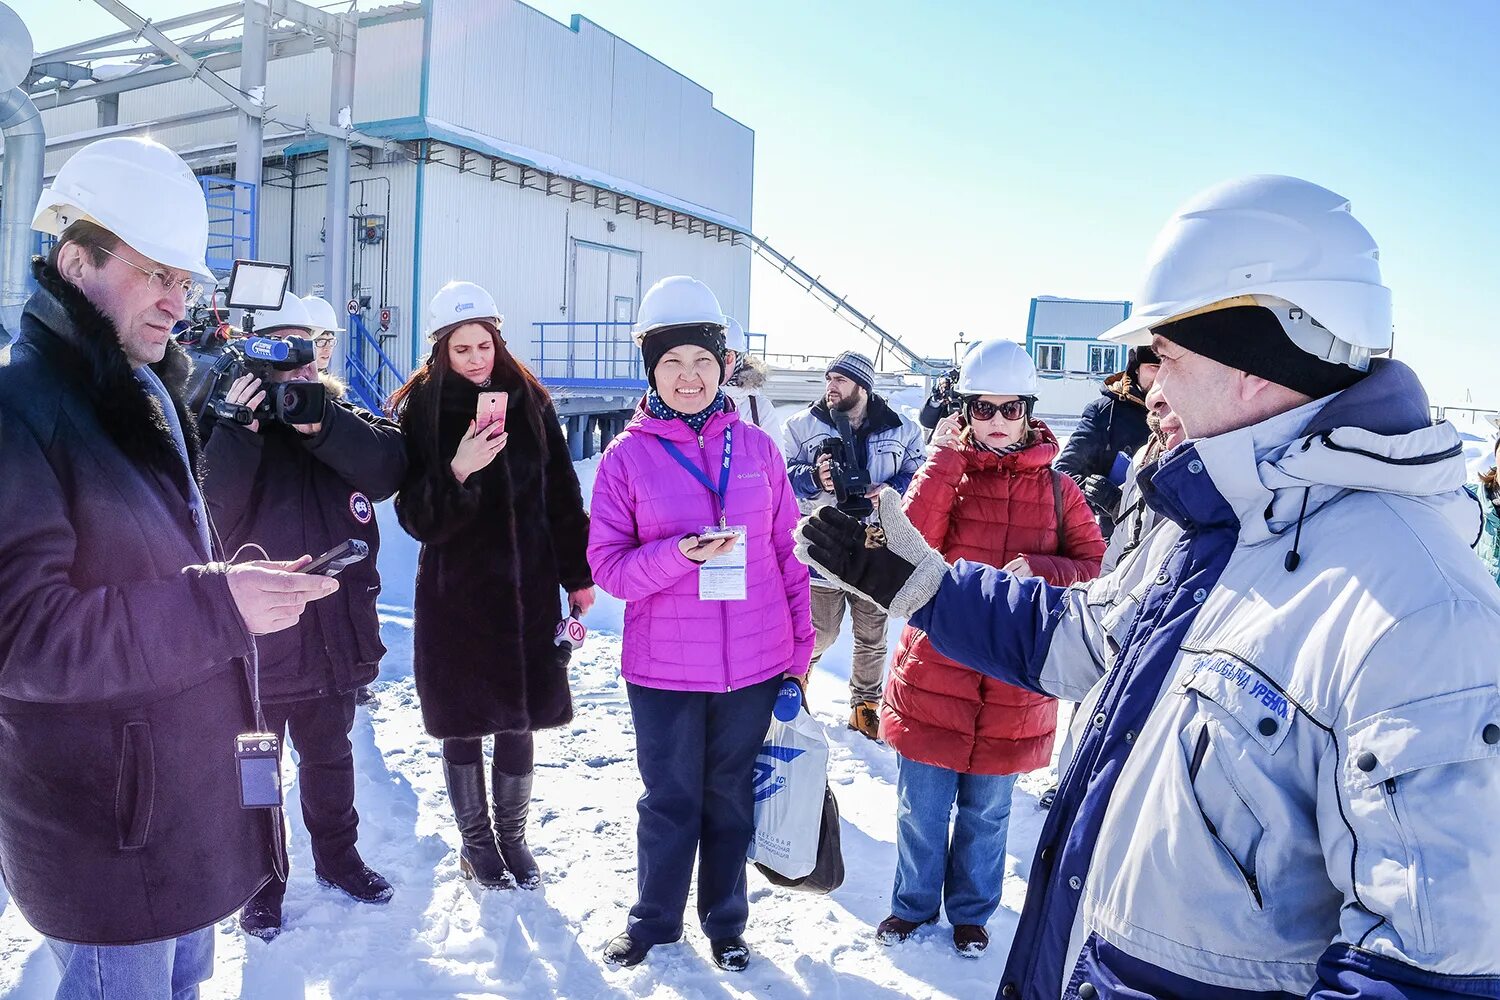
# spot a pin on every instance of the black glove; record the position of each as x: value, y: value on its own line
x: 1102, y: 495
x: 836, y: 543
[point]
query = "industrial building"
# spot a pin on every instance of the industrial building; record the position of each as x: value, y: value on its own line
x: 558, y: 165
x: 1062, y: 337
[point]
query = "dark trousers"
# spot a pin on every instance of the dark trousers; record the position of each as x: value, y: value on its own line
x: 696, y: 753
x: 515, y: 753
x: 319, y: 729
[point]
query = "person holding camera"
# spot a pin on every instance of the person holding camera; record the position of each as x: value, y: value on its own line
x: 942, y: 402
x: 492, y: 495
x: 1111, y: 430
x: 288, y: 488
x: 885, y: 450
x: 988, y: 494
x: 692, y: 527
x: 123, y: 688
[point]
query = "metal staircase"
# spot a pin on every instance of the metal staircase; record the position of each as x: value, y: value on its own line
x: 839, y: 305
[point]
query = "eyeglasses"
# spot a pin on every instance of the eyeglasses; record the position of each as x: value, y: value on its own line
x: 983, y: 409
x: 325, y: 340
x: 162, y: 282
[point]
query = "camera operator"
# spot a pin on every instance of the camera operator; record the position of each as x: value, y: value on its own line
x: 942, y: 402
x: 887, y: 451
x: 308, y: 487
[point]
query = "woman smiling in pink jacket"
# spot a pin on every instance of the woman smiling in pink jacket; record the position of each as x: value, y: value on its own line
x: 705, y: 648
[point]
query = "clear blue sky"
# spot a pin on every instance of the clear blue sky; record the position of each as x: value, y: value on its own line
x: 942, y: 163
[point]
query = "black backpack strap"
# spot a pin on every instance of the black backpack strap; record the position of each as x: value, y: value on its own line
x: 1057, y: 503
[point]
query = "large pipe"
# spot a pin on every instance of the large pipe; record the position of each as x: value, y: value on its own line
x: 336, y: 225
x: 25, y: 154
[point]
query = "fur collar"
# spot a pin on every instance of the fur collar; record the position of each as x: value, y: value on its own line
x: 85, y: 346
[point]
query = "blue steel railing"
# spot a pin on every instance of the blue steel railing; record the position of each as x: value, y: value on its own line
x: 584, y: 354
x: 370, y: 372
x: 233, y: 220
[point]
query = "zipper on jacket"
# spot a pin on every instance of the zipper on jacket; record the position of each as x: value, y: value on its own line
x: 1413, y: 876
x: 720, y: 510
x: 1199, y: 751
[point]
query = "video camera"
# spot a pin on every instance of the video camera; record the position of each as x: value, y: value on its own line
x: 851, y: 480
x: 289, y: 402
x: 220, y: 357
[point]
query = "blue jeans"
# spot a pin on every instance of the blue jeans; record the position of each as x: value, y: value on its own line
x: 964, y: 874
x: 163, y: 970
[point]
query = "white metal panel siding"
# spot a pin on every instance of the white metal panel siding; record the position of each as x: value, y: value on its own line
x: 517, y: 244
x: 503, y: 69
x: 1075, y: 319
x: 388, y: 71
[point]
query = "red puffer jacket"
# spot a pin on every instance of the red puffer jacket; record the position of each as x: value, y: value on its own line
x: 987, y: 508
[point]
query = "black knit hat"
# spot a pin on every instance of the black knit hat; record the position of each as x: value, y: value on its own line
x: 659, y: 342
x: 1252, y: 339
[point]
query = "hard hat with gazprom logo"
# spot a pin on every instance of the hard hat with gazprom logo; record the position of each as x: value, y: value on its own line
x: 460, y: 302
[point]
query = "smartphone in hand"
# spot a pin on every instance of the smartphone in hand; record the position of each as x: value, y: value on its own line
x: 491, y: 410
x: 337, y: 559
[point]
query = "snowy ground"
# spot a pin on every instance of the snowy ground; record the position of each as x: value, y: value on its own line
x: 440, y: 938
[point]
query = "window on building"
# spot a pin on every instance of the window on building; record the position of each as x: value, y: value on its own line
x: 1049, y: 357
x: 1103, y: 360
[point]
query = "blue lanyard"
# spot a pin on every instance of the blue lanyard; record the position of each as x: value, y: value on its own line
x: 697, y: 473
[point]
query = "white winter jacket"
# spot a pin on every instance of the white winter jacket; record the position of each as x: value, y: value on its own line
x: 1291, y: 782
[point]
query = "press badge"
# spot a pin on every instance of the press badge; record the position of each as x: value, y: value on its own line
x: 722, y: 578
x: 259, y: 758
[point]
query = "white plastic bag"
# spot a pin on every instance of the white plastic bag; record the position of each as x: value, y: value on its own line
x: 791, y: 773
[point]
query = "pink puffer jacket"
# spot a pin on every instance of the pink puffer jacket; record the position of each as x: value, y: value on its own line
x: 645, y: 502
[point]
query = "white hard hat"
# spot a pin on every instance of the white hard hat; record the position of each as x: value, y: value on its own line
x: 460, y: 302
x: 997, y: 367
x: 293, y: 313
x: 1283, y: 241
x: 324, y: 316
x: 734, y: 337
x: 677, y: 301
x: 141, y: 192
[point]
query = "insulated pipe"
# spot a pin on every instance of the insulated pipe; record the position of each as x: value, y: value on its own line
x: 25, y: 154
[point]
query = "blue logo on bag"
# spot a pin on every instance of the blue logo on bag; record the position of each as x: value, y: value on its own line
x: 767, y: 781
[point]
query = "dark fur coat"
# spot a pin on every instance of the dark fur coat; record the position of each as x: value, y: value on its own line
x: 495, y: 552
x: 121, y: 679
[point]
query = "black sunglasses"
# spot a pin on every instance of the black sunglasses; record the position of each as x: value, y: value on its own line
x: 983, y: 409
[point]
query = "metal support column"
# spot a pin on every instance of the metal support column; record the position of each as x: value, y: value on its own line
x: 250, y: 136
x: 336, y: 225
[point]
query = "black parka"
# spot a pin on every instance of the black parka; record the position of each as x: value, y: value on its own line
x: 495, y: 550
x: 292, y: 495
x: 121, y: 680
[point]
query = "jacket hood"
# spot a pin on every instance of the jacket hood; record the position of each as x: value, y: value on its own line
x: 1119, y: 386
x: 1374, y: 437
x: 751, y: 374
x: 1041, y: 451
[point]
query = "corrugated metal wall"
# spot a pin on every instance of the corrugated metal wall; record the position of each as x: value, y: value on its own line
x: 504, y: 69
x: 518, y: 244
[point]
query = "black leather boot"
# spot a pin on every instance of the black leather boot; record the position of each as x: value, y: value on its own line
x: 512, y: 803
x: 478, y: 859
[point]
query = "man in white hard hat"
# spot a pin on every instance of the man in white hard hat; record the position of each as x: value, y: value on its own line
x: 1290, y: 782
x: 887, y: 446
x: 123, y: 836
x: 325, y: 328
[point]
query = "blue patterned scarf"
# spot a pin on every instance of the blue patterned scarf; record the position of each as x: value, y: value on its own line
x: 661, y: 411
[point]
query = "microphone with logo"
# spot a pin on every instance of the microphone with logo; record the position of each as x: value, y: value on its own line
x: 571, y: 631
